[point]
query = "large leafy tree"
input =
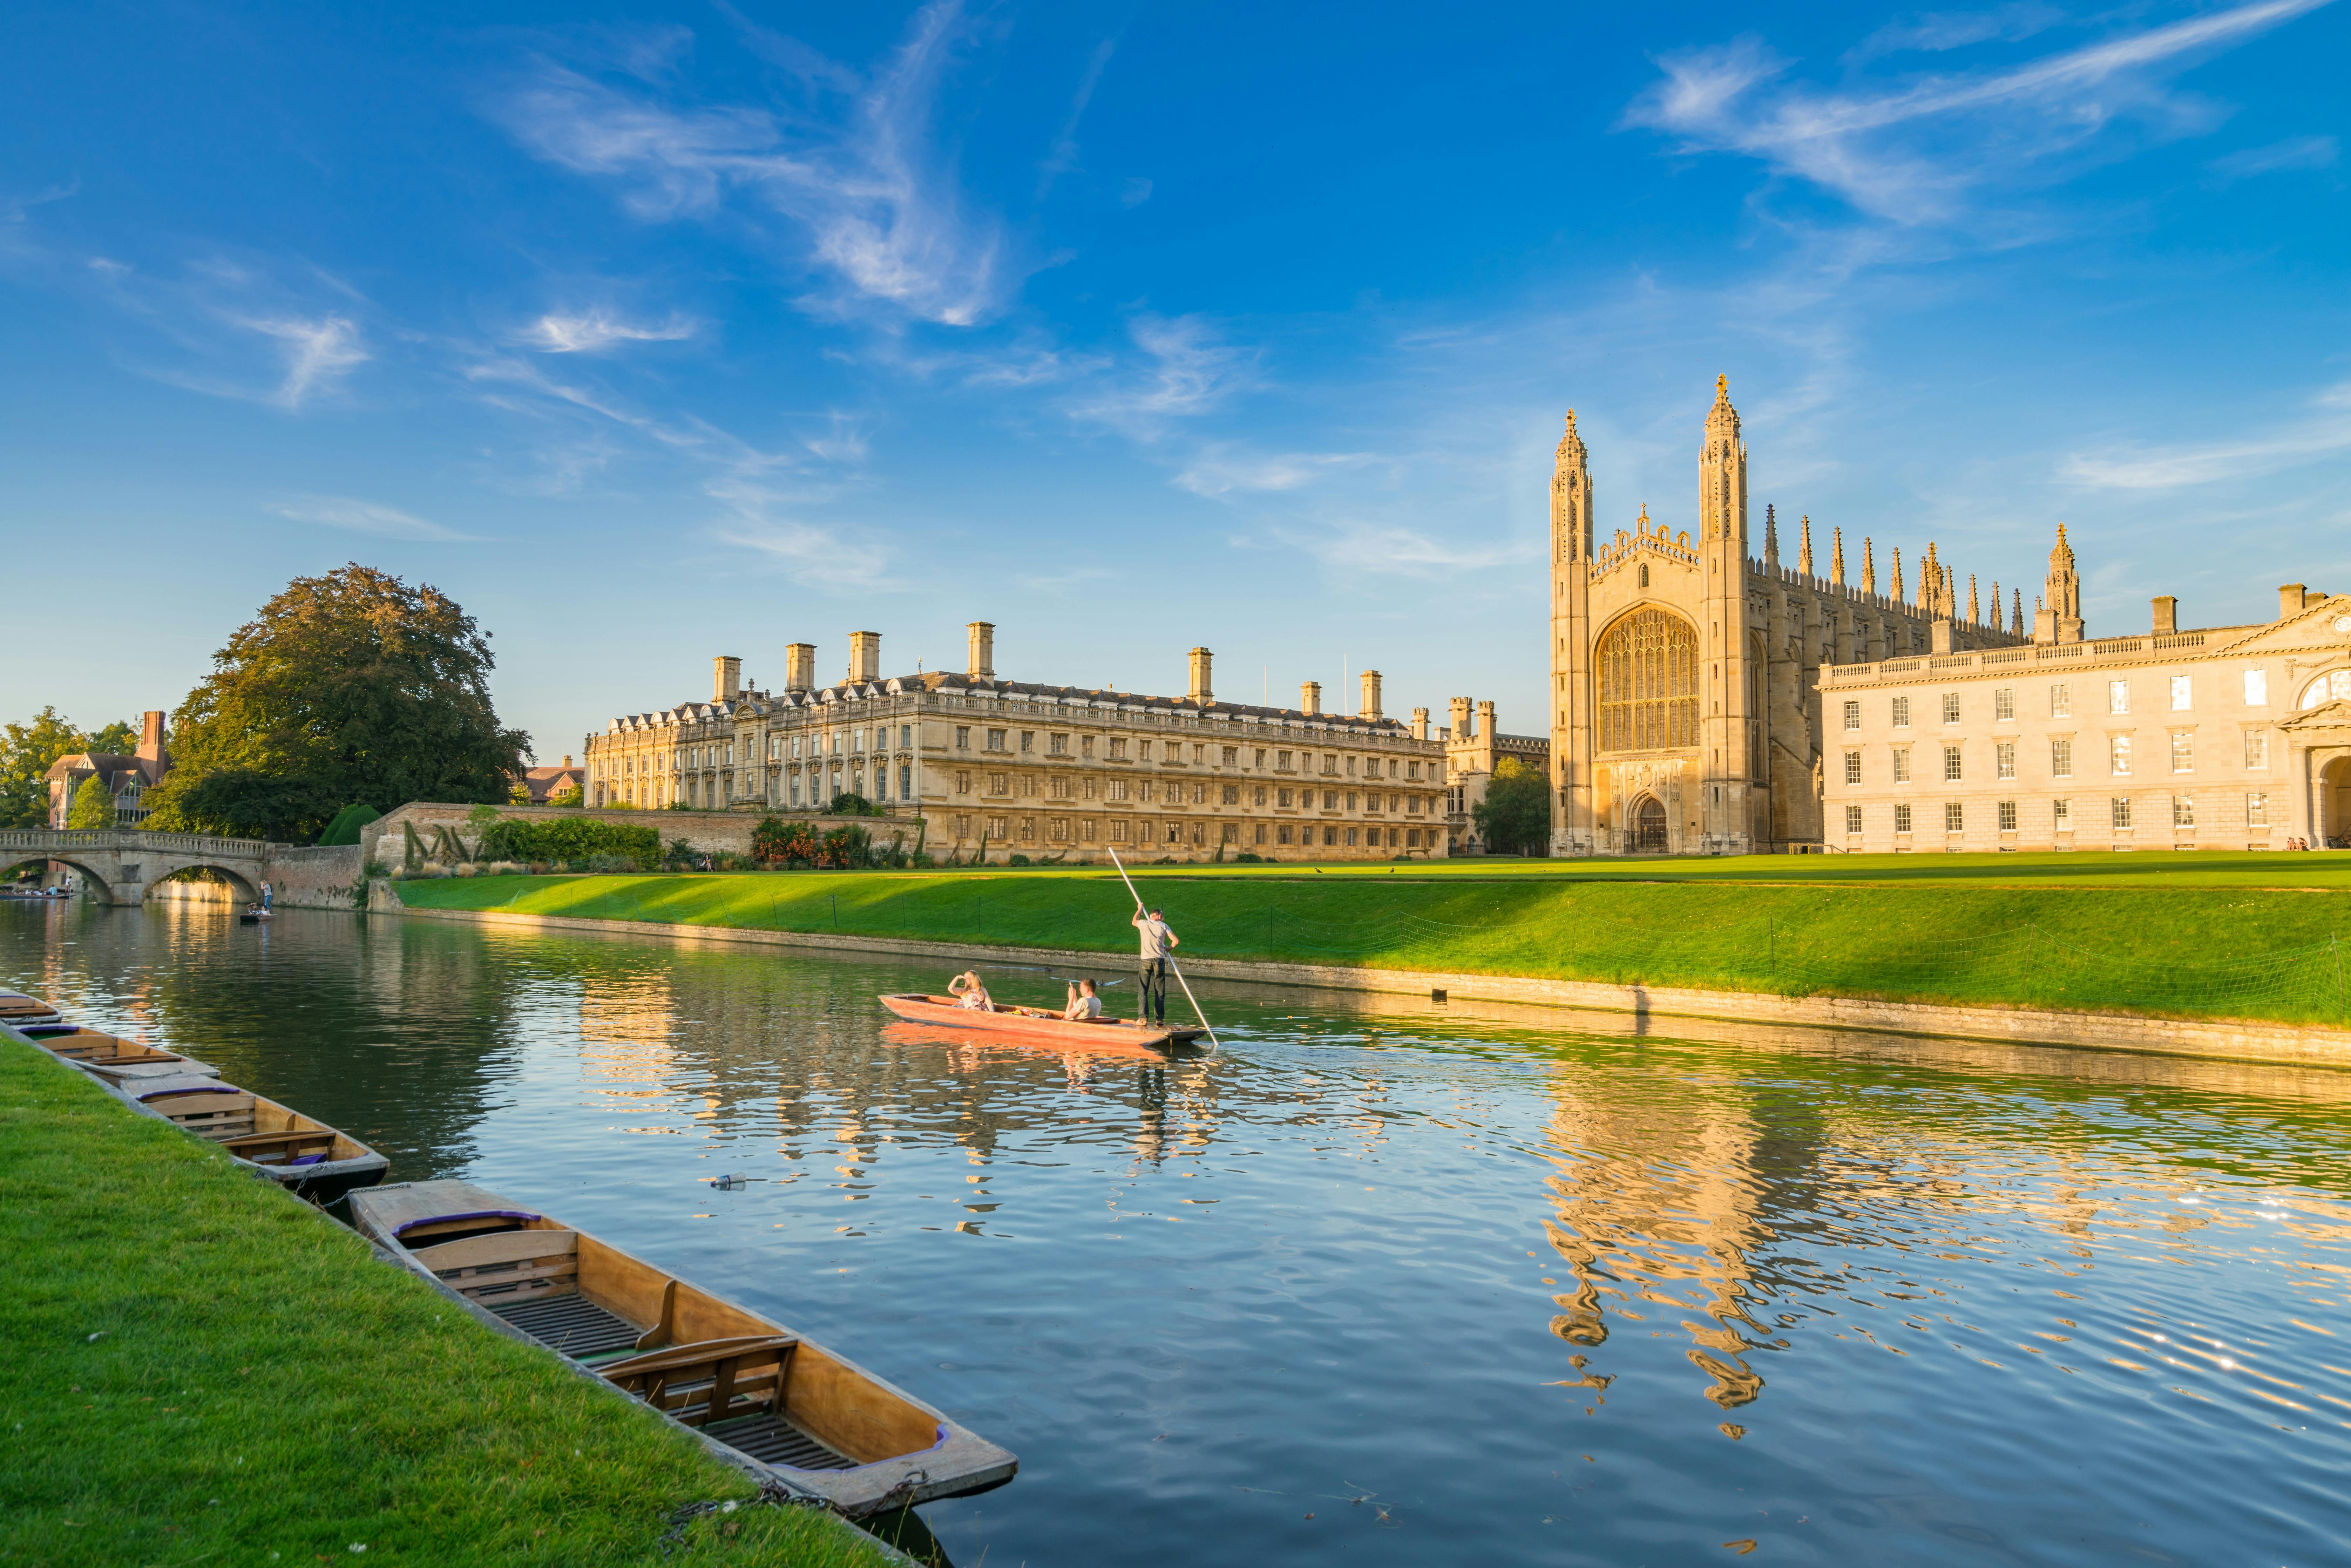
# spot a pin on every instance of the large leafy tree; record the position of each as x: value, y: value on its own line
x: 93, y: 805
x: 1515, y: 816
x: 347, y: 687
x: 26, y: 752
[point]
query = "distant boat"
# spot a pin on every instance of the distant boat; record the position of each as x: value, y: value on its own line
x: 821, y: 1424
x: 307, y: 1158
x: 1036, y: 1023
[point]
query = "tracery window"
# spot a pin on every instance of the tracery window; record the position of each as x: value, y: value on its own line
x: 1648, y: 682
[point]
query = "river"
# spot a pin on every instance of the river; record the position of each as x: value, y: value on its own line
x: 1382, y: 1282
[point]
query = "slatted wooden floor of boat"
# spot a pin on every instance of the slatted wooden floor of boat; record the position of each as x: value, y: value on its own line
x: 574, y: 1326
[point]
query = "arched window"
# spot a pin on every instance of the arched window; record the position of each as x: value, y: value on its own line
x: 2327, y: 688
x: 1644, y: 577
x: 1648, y: 682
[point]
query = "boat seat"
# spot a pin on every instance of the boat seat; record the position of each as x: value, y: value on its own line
x: 283, y: 1148
x: 209, y: 1114
x: 507, y: 1265
x: 711, y: 1380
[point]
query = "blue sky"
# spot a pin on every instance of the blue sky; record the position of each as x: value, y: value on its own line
x: 655, y: 333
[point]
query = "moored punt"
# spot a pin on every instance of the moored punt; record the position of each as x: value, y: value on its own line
x: 1036, y: 1023
x: 820, y: 1423
x: 119, y: 1060
x: 29, y: 1015
x: 306, y: 1157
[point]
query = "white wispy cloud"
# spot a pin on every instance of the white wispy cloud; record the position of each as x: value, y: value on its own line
x: 1064, y: 155
x: 1223, y: 468
x: 1390, y: 549
x: 318, y: 351
x: 811, y: 553
x: 558, y: 332
x: 1936, y: 32
x: 2294, y: 152
x: 2325, y: 433
x: 1187, y: 369
x: 857, y: 170
x: 367, y: 517
x: 1911, y: 152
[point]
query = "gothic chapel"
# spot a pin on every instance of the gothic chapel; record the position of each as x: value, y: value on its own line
x: 1686, y: 717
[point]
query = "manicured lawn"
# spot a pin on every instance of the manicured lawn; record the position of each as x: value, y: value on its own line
x: 2202, y: 935
x: 201, y: 1370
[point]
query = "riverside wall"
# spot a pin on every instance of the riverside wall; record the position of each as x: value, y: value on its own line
x: 706, y: 832
x: 2222, y: 1040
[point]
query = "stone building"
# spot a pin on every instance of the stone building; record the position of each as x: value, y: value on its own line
x: 1684, y: 662
x: 2224, y: 738
x: 1472, y: 747
x: 127, y: 779
x: 994, y: 767
x: 542, y: 785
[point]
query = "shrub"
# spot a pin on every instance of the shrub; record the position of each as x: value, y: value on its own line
x: 844, y: 848
x: 776, y: 841
x: 1016, y: 860
x: 567, y: 838
x: 345, y: 828
x: 574, y: 796
x: 847, y: 804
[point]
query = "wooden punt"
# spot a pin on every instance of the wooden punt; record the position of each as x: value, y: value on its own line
x: 29, y: 1015
x: 1036, y: 1023
x: 773, y: 1402
x: 119, y: 1060
x: 306, y: 1157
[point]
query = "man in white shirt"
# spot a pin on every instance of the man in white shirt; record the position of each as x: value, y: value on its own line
x: 1157, y: 942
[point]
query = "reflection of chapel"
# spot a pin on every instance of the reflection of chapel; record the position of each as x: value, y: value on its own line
x: 1686, y: 718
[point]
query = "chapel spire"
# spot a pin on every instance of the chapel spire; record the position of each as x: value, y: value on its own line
x: 1771, y: 535
x: 1974, y: 614
x: 1723, y: 475
x: 1804, y: 549
x: 2016, y: 627
x: 2060, y: 618
x: 1868, y: 567
x: 1898, y: 574
x: 1837, y: 555
x: 1571, y: 497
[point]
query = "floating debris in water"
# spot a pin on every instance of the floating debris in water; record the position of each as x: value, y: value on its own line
x: 731, y: 1182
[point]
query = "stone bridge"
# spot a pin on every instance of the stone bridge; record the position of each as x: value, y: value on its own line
x: 122, y: 864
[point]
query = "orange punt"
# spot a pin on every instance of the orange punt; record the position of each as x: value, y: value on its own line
x: 1035, y: 1024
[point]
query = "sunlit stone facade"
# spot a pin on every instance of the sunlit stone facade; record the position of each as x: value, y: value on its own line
x: 975, y: 765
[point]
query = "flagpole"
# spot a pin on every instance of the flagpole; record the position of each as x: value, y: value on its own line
x: 1171, y: 956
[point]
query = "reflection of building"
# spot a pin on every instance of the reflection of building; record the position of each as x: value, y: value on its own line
x: 1472, y: 747
x: 1658, y: 1207
x: 1683, y: 669
x: 127, y: 779
x: 2232, y: 737
x: 998, y: 767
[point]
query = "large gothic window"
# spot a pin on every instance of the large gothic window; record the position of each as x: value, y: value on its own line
x: 1648, y: 682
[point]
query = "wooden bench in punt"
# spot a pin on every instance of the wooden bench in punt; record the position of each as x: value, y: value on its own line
x: 771, y: 1400
x: 29, y: 1015
x: 307, y: 1158
x: 119, y: 1060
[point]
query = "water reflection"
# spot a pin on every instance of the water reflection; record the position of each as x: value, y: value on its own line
x: 1385, y: 1282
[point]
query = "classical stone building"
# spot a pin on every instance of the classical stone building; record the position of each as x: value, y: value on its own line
x: 993, y: 767
x: 2225, y: 737
x: 1472, y: 747
x: 1685, y: 661
x: 127, y: 779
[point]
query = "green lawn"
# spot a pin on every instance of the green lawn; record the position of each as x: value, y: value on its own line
x: 202, y: 1370
x: 2248, y: 935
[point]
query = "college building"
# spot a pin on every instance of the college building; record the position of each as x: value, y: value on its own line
x: 126, y: 779
x: 980, y: 767
x: 2223, y: 738
x: 1684, y: 662
x: 1473, y: 746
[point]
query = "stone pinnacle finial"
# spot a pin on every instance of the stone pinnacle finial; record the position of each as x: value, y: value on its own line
x: 1868, y: 566
x: 1804, y: 548
x: 1837, y: 555
x: 1771, y: 535
x: 2016, y: 627
x: 1898, y: 574
x: 1975, y: 615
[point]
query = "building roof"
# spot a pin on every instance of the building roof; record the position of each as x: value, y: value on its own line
x: 761, y: 702
x: 108, y: 765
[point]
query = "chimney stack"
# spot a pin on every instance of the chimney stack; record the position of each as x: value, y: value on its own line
x: 151, y: 733
x: 1198, y: 691
x: 1420, y: 724
x: 983, y: 650
x: 865, y: 655
x: 800, y: 667
x: 725, y: 678
x: 2167, y: 615
x: 1372, y: 695
x: 1309, y: 696
x: 2290, y: 601
x: 567, y: 759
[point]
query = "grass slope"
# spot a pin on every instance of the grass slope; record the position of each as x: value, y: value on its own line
x: 2179, y: 934
x: 200, y: 1369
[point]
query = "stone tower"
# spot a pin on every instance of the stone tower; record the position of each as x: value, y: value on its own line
x: 1570, y: 624
x: 2059, y: 618
x: 1731, y: 754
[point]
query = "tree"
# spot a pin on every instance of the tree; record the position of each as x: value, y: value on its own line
x: 93, y: 805
x: 350, y: 686
x: 26, y: 751
x: 1515, y: 816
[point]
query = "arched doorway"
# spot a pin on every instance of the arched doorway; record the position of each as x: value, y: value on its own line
x: 2334, y: 804
x: 1649, y: 825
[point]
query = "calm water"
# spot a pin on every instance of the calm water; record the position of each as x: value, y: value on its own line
x: 1374, y: 1287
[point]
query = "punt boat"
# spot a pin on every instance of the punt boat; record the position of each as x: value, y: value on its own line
x: 1036, y: 1023
x: 307, y: 1158
x: 119, y: 1060
x: 28, y: 1015
x: 807, y: 1417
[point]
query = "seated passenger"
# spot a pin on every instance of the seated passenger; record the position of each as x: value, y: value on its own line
x: 969, y: 993
x: 1085, y: 1005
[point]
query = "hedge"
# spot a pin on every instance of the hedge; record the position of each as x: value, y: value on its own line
x: 567, y: 838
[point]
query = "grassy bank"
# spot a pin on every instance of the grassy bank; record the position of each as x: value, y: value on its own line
x: 200, y: 1369
x: 2208, y: 935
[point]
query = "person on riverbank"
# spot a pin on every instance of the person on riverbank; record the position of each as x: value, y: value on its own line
x: 968, y: 992
x: 1157, y: 942
x: 1085, y: 1003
